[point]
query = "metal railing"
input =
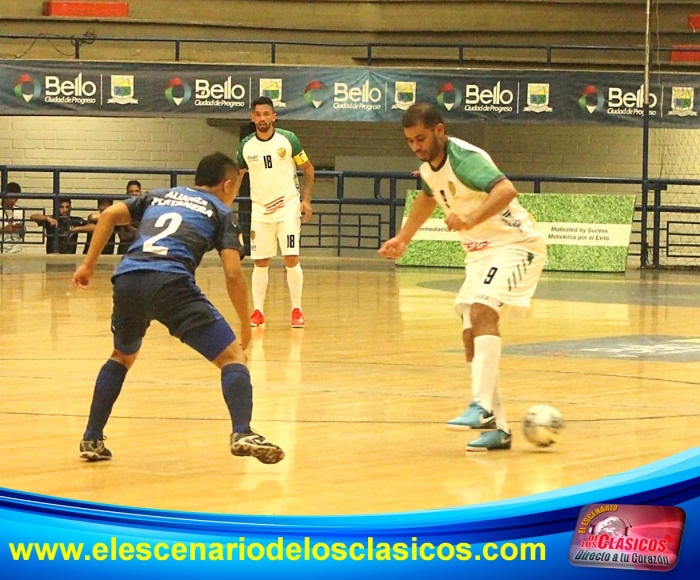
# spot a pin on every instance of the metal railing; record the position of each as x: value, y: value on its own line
x: 347, y: 220
x: 544, y: 54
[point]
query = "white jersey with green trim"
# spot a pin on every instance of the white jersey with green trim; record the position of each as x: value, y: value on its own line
x: 272, y: 167
x: 461, y: 184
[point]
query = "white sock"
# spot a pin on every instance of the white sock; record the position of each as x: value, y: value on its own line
x: 499, y: 411
x: 259, y: 281
x: 487, y: 357
x: 295, y: 281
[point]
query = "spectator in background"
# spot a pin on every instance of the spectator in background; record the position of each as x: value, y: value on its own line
x: 127, y: 233
x: 12, y: 222
x: 61, y: 228
x: 102, y: 204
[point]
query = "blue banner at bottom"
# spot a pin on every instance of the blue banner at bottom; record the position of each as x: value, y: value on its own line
x: 527, y: 537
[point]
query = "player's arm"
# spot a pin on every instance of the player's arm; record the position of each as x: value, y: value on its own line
x: 422, y: 209
x: 496, y: 202
x: 237, y: 291
x: 115, y: 215
x: 308, y: 189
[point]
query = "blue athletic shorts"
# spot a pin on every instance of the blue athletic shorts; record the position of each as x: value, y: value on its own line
x: 173, y: 300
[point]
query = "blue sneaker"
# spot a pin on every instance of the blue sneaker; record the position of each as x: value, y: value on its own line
x: 493, y: 440
x: 475, y: 417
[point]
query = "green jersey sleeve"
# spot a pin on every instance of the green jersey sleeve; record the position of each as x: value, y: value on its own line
x: 473, y: 169
x: 293, y: 141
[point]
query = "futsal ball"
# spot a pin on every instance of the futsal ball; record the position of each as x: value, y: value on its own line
x: 542, y: 425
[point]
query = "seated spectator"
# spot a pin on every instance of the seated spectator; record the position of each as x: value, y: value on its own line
x: 133, y: 187
x: 102, y: 204
x: 127, y: 234
x: 12, y: 221
x: 60, y: 234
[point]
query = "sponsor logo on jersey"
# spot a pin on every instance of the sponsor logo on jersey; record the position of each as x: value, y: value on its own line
x: 26, y: 88
x: 122, y: 90
x: 475, y: 246
x: 178, y: 92
x: 538, y: 98
x: 178, y: 199
x: 404, y: 95
x: 682, y: 102
x: 273, y: 206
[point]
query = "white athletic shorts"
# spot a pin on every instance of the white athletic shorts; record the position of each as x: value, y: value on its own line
x: 265, y: 236
x: 505, y: 278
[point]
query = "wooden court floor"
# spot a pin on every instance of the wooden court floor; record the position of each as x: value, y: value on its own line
x: 358, y: 399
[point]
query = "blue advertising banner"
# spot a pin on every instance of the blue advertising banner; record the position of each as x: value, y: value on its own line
x: 343, y: 94
x: 578, y: 532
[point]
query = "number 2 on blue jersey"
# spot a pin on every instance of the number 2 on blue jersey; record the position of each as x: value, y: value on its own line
x: 171, y: 222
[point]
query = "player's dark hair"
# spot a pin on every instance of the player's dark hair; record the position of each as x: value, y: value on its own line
x: 425, y: 113
x: 13, y: 187
x: 133, y: 182
x: 263, y: 101
x: 213, y: 169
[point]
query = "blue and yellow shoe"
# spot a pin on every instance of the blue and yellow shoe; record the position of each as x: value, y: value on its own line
x: 475, y: 417
x: 491, y: 440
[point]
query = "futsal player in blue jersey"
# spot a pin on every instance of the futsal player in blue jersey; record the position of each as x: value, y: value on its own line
x: 155, y: 281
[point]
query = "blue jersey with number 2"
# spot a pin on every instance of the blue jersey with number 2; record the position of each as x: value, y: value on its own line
x: 178, y: 226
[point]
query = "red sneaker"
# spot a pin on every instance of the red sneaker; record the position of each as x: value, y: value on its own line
x: 257, y: 319
x: 297, y: 318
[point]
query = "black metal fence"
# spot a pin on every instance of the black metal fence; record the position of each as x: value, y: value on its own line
x: 344, y: 223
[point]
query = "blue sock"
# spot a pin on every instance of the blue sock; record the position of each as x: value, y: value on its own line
x: 107, y: 388
x: 238, y: 394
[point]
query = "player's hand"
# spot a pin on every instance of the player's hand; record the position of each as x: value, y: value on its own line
x: 393, y: 249
x: 246, y: 335
x: 307, y: 210
x: 455, y: 223
x: 52, y: 221
x: 82, y: 276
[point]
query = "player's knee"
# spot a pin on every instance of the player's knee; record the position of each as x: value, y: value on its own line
x: 233, y: 353
x: 126, y: 360
x: 485, y: 315
x: 291, y: 261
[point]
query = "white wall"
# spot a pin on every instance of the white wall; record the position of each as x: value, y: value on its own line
x: 178, y: 143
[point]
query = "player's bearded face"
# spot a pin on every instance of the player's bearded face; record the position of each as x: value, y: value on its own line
x: 424, y: 142
x: 263, y: 117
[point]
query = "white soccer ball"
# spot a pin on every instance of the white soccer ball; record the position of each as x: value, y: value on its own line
x: 542, y: 425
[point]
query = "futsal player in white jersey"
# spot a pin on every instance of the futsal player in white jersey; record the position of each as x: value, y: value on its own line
x: 271, y: 157
x: 505, y: 255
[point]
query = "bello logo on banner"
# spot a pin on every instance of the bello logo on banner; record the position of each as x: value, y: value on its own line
x: 633, y: 537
